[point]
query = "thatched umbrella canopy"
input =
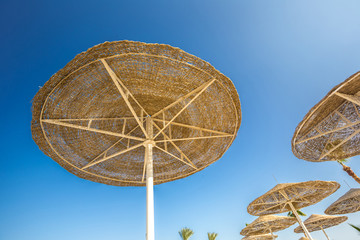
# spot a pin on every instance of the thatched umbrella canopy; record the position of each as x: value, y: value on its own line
x: 268, y: 224
x: 260, y: 237
x: 292, y: 196
x: 303, y: 238
x: 131, y: 114
x: 331, y: 129
x: 348, y: 203
x: 320, y: 222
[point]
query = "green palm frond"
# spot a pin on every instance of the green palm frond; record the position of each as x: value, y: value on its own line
x: 291, y: 214
x: 343, y: 160
x: 186, y: 233
x: 357, y: 228
x: 212, y: 236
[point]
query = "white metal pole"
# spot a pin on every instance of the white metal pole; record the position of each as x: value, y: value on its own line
x: 150, y: 227
x: 324, y: 233
x: 299, y: 221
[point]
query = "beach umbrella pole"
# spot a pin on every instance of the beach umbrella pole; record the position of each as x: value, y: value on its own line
x: 150, y: 227
x: 324, y: 233
x: 300, y: 221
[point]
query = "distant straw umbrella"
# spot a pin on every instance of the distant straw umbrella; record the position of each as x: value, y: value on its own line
x: 330, y: 131
x: 260, y: 237
x: 303, y: 238
x: 320, y: 222
x: 348, y: 203
x: 290, y: 197
x: 268, y: 224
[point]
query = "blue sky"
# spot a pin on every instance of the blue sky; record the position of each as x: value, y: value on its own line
x: 283, y: 57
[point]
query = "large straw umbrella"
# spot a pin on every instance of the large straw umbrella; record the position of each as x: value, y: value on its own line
x: 260, y: 237
x: 134, y: 114
x: 290, y: 197
x: 330, y: 130
x: 318, y: 222
x: 348, y: 203
x: 268, y: 224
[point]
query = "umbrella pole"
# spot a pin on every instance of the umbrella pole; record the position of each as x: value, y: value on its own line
x: 150, y: 227
x: 324, y: 233
x: 299, y: 221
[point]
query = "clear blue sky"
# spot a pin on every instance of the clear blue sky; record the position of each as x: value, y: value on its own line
x: 283, y: 57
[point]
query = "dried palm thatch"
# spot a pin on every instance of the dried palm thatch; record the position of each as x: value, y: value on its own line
x: 331, y: 129
x: 319, y: 222
x: 260, y: 237
x: 268, y: 224
x: 89, y: 117
x: 348, y: 203
x: 300, y: 195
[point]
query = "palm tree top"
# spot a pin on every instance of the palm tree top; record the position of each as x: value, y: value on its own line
x: 212, y: 236
x: 186, y: 233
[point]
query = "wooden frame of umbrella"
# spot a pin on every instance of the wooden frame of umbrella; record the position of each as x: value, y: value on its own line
x: 320, y: 222
x: 348, y: 203
x: 94, y: 116
x: 260, y: 237
x: 291, y: 197
x: 330, y: 130
x: 268, y: 224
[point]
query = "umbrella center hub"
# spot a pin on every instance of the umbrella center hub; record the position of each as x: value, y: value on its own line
x: 149, y: 142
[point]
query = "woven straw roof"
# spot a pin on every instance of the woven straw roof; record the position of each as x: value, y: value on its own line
x: 303, y: 238
x: 315, y: 222
x: 301, y: 195
x: 348, y: 203
x: 268, y: 224
x: 331, y: 129
x: 260, y: 237
x: 89, y: 116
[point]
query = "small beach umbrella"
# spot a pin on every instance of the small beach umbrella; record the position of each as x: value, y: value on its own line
x: 303, y: 238
x: 331, y: 129
x: 260, y: 237
x: 268, y: 224
x: 292, y: 196
x: 320, y: 222
x: 135, y: 114
x: 348, y: 203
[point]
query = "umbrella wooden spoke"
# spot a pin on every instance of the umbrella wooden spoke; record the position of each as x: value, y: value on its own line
x: 91, y: 119
x: 181, y: 160
x: 97, y: 161
x: 193, y: 138
x: 267, y: 209
x: 351, y: 98
x: 202, y: 89
x: 90, y: 129
x: 125, y: 95
x: 168, y: 139
x: 118, y: 141
x: 191, y: 127
x: 183, y: 98
x: 338, y: 145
